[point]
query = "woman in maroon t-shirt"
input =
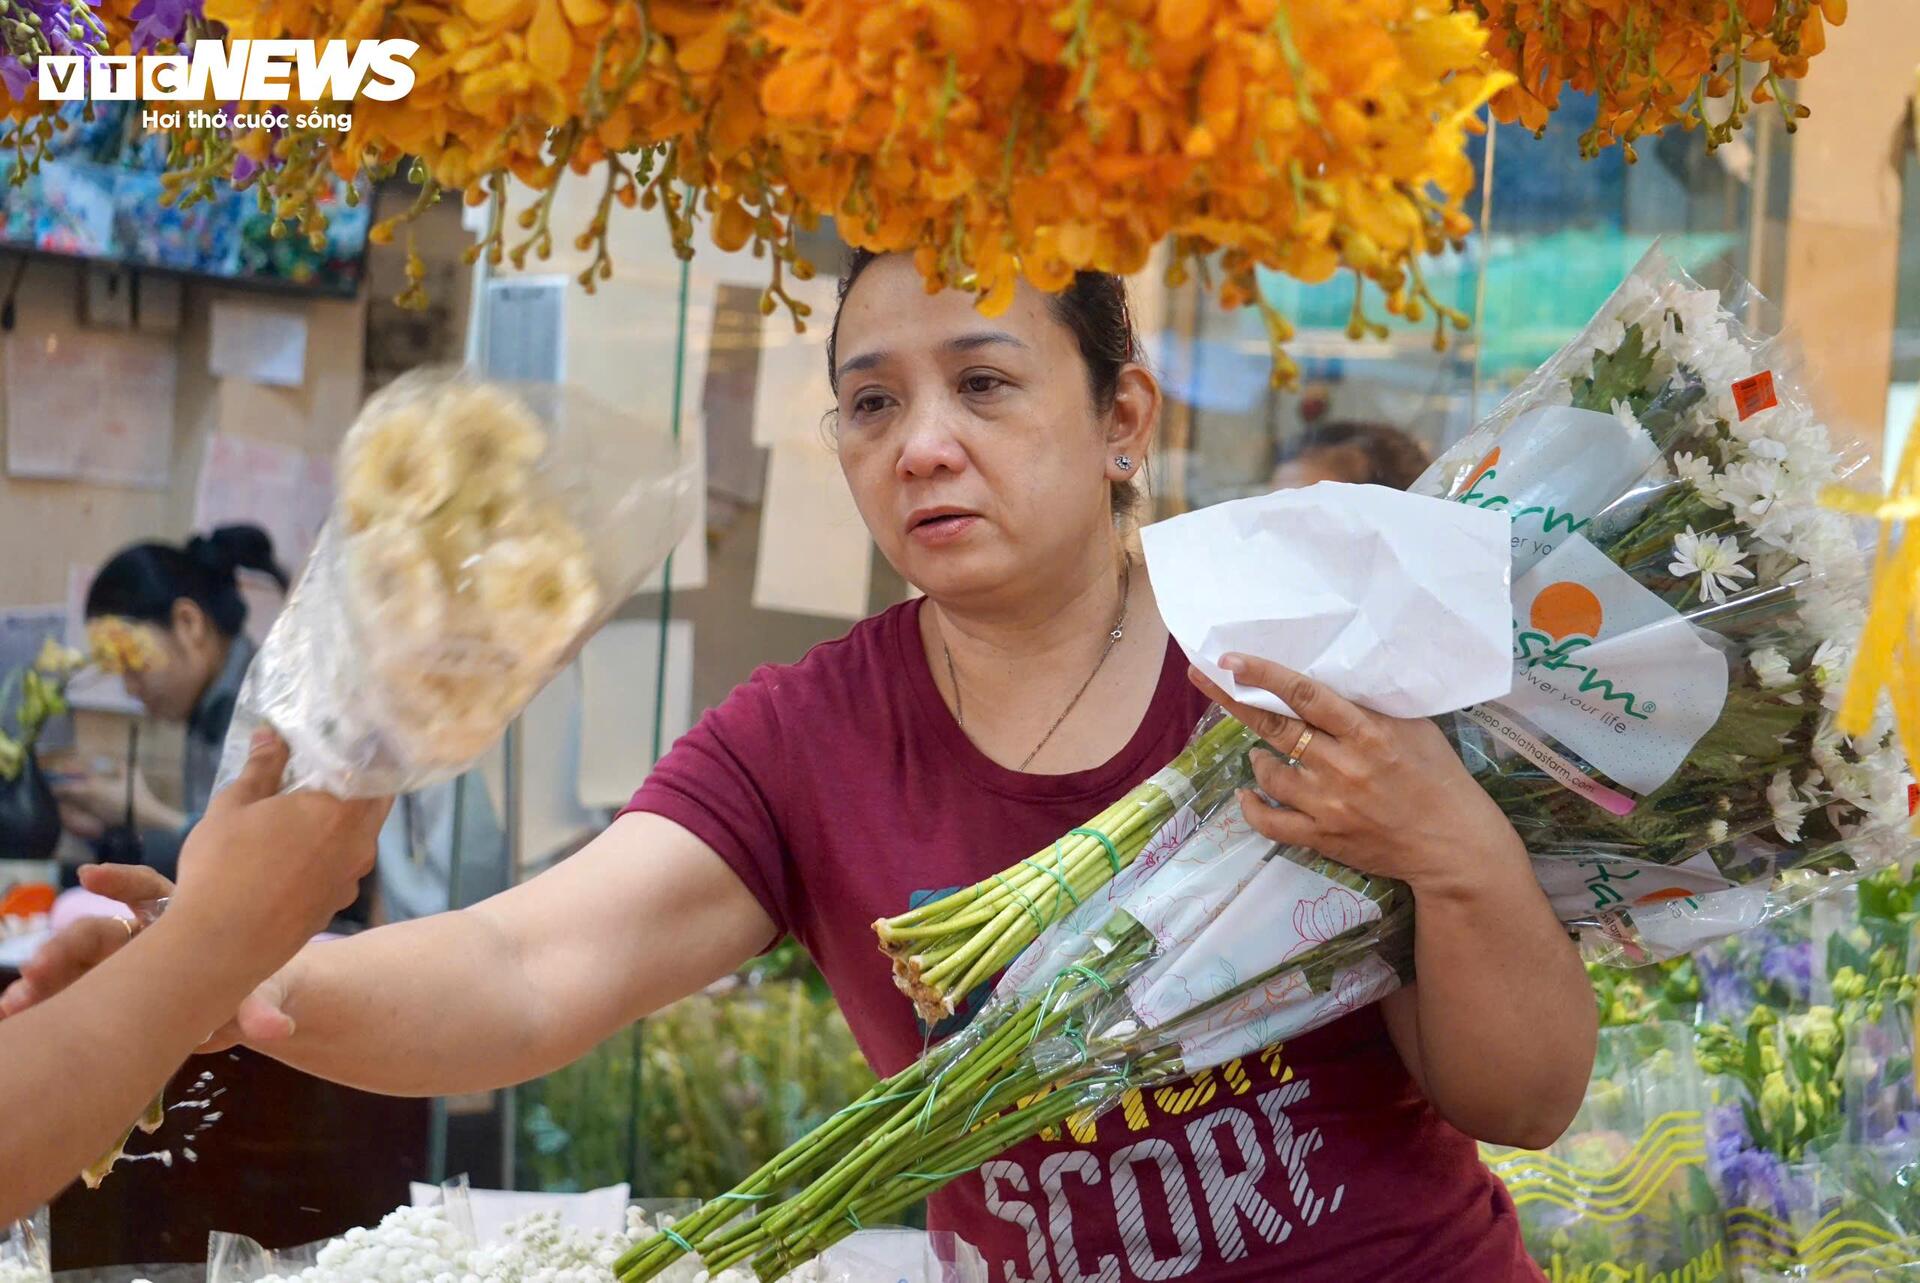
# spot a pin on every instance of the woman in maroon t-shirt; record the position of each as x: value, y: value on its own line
x: 1033, y: 685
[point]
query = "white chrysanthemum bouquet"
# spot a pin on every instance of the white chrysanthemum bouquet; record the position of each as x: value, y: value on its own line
x: 480, y: 533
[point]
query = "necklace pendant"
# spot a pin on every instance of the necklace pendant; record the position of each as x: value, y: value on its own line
x: 1115, y: 634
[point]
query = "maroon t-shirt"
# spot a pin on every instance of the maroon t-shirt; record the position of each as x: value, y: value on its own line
x: 840, y: 790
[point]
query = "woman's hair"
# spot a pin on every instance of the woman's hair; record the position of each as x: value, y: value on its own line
x: 1094, y: 307
x: 143, y: 582
x: 1385, y: 456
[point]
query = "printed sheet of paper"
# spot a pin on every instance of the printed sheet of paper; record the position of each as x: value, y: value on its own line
x: 284, y: 491
x: 258, y: 342
x: 91, y: 405
x: 816, y: 557
x: 619, y: 674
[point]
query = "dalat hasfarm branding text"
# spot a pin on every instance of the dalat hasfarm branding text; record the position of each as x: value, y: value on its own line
x: 254, y: 71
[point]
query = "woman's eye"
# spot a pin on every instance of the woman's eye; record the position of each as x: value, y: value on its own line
x: 869, y: 403
x: 980, y: 383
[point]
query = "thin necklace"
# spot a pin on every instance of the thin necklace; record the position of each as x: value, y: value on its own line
x: 1113, y: 639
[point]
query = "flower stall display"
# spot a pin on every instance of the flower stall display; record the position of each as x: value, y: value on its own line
x: 480, y: 534
x: 1624, y: 1193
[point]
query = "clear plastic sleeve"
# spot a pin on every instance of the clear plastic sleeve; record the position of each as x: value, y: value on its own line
x: 1624, y: 1193
x: 481, y: 532
x: 26, y: 1254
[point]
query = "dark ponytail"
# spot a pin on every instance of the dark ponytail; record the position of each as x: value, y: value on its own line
x: 143, y: 582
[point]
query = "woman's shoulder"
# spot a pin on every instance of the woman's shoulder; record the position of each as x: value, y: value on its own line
x: 852, y: 674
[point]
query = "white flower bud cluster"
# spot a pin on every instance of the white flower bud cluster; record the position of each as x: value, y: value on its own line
x: 22, y: 1272
x: 420, y: 1245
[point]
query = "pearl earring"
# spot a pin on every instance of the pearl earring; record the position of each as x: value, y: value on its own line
x: 1124, y: 463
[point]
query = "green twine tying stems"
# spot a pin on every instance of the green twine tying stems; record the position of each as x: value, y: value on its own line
x: 935, y: 1176
x: 987, y: 1096
x: 1039, y: 923
x: 933, y: 1094
x: 755, y: 1198
x: 854, y: 1220
x: 1058, y: 875
x: 1113, y: 856
x: 1094, y: 976
x: 678, y: 1242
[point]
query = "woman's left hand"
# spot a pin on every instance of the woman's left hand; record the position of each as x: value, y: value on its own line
x: 1383, y: 795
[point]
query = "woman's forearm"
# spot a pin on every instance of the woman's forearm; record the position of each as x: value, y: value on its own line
x: 434, y: 1006
x: 77, y: 1070
x: 1505, y: 1015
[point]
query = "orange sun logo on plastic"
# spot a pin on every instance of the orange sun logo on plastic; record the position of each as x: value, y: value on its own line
x: 1481, y: 471
x: 1567, y: 609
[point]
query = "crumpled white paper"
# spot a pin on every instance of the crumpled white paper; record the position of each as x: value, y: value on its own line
x: 1399, y: 602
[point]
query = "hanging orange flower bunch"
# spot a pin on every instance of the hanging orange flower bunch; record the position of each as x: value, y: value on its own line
x: 1654, y: 63
x: 996, y: 140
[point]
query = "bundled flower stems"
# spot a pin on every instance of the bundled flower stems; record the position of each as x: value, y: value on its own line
x: 1668, y: 753
x: 480, y: 535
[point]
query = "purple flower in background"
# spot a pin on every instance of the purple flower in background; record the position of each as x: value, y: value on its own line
x: 1724, y: 992
x: 158, y: 22
x: 1756, y: 1178
x: 68, y: 28
x: 1726, y: 1136
x: 1790, y: 967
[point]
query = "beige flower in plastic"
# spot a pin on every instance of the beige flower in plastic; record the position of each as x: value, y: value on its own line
x: 395, y: 586
x: 536, y: 590
x: 487, y: 433
x: 396, y: 469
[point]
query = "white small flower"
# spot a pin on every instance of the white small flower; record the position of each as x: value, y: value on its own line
x: 1771, y: 668
x: 1697, y: 469
x: 1751, y: 488
x: 1789, y: 808
x: 1715, y: 558
x: 1716, y: 832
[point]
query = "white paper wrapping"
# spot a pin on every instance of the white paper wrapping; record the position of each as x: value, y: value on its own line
x: 1398, y: 602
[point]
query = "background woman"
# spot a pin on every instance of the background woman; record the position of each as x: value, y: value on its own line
x: 1034, y: 684
x: 186, y: 602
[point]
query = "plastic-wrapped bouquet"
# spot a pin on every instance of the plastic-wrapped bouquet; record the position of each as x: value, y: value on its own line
x: 480, y: 533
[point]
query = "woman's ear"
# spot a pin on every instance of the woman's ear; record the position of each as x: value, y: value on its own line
x: 190, y: 623
x: 1130, y: 424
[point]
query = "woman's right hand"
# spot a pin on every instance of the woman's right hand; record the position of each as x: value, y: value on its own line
x: 264, y: 871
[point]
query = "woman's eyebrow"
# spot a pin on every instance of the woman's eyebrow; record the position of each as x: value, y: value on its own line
x: 980, y: 339
x: 961, y: 343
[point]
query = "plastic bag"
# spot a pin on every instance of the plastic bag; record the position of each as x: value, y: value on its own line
x: 902, y: 1256
x: 481, y: 532
x: 25, y: 1250
x: 1684, y: 608
x: 1624, y: 1193
x: 437, y: 1238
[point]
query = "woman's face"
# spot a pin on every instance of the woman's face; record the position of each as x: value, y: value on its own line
x: 176, y: 663
x: 971, y: 443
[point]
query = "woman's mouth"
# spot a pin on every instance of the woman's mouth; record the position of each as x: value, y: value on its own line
x: 943, y: 527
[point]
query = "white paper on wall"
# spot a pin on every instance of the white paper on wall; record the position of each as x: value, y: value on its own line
x: 258, y: 342
x: 620, y: 674
x: 91, y: 405
x: 816, y: 557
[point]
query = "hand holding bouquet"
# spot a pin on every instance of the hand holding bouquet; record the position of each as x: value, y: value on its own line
x: 480, y: 534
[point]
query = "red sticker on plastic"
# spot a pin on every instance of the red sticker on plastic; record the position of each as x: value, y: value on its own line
x: 1913, y: 798
x: 1754, y: 394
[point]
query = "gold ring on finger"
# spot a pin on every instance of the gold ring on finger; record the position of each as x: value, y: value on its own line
x: 1300, y: 745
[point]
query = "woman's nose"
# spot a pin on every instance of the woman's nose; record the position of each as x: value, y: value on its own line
x: 931, y: 442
